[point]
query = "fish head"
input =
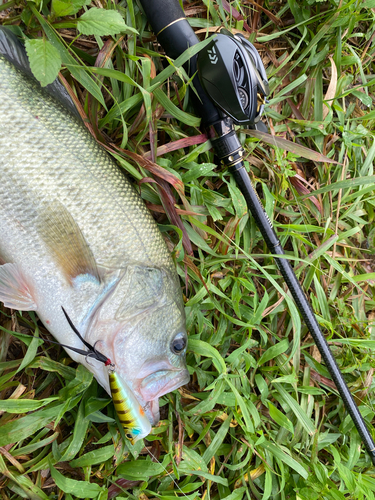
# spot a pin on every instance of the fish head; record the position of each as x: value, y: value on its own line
x: 141, y: 327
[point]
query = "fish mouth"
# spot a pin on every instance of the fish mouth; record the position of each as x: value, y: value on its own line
x: 155, y: 378
x: 159, y: 383
x: 155, y: 385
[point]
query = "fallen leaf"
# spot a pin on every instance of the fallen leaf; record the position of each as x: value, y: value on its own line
x: 331, y: 91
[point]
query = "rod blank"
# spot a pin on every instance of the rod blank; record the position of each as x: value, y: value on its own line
x: 257, y: 211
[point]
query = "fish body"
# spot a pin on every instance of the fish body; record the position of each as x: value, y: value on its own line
x: 74, y: 233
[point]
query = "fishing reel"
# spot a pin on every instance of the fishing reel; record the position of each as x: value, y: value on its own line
x: 233, y: 76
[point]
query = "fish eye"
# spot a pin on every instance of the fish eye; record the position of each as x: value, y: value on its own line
x: 178, y: 343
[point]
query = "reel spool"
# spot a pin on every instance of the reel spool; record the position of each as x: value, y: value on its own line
x: 233, y: 76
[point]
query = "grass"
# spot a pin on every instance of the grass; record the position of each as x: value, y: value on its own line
x: 261, y: 417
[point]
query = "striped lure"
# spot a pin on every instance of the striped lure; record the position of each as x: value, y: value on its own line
x: 130, y: 413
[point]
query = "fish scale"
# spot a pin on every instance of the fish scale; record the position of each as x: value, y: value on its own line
x: 47, y: 131
x: 74, y: 233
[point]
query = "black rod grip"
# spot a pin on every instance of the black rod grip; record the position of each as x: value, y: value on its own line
x: 169, y: 24
x: 264, y: 224
x: 176, y: 35
x: 161, y: 13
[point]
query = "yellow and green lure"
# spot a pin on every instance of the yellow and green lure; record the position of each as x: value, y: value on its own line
x: 130, y: 413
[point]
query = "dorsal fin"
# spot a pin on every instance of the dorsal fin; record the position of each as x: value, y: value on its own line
x: 13, y: 50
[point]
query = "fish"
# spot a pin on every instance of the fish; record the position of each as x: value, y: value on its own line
x: 75, y: 234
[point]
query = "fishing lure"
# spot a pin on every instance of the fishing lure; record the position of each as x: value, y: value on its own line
x: 130, y: 413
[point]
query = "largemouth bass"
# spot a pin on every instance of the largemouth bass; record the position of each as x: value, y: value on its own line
x: 75, y: 234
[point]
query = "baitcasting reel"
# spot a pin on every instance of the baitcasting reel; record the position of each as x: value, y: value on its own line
x: 232, y: 74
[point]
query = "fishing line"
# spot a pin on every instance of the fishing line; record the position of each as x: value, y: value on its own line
x: 169, y: 474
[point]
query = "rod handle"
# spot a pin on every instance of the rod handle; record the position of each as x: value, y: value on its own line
x: 175, y: 35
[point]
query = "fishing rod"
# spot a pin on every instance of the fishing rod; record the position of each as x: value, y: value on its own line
x: 230, y: 80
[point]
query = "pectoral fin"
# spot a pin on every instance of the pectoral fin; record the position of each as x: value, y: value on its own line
x: 15, y: 291
x: 66, y: 243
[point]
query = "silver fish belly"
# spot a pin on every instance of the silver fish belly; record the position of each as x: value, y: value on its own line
x: 74, y: 233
